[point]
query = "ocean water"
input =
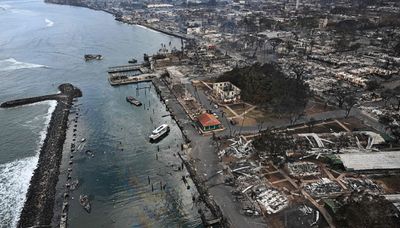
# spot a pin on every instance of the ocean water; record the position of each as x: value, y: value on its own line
x: 41, y: 46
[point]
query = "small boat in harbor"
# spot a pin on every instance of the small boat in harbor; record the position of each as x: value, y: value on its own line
x: 84, y: 201
x: 132, y: 61
x: 159, y: 132
x: 93, y: 57
x: 133, y: 101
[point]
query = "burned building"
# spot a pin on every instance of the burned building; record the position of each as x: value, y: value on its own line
x: 226, y: 92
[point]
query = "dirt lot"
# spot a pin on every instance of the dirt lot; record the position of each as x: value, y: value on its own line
x: 314, y: 107
x: 285, y: 184
x: 274, y: 177
x: 354, y: 124
x: 260, y: 115
x: 239, y: 108
x: 246, y: 122
x: 391, y: 184
x: 228, y: 113
x: 328, y: 127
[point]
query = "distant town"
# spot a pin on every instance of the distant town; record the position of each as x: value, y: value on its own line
x: 290, y: 109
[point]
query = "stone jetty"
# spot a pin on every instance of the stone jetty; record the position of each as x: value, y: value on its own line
x: 38, y: 208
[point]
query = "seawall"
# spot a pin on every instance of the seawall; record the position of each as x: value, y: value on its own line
x: 25, y: 101
x: 166, y: 94
x: 38, y: 207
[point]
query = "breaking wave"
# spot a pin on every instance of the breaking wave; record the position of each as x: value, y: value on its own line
x: 4, y: 7
x: 49, y: 23
x: 15, y: 178
x: 9, y: 8
x: 12, y: 64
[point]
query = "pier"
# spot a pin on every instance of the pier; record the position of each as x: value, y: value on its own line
x: 124, y: 68
x: 128, y: 74
x: 38, y: 207
x: 123, y: 80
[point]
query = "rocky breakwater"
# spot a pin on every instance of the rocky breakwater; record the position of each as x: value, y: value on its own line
x: 38, y: 208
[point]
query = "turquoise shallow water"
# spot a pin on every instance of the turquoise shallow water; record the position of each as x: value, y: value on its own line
x: 41, y: 46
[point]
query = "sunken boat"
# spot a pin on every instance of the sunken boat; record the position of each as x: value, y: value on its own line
x: 89, y: 57
x: 132, y: 61
x: 85, y: 203
x: 133, y: 101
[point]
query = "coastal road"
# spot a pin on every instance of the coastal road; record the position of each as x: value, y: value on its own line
x: 204, y: 153
x: 207, y: 163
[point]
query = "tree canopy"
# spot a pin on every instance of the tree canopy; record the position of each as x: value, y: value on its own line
x: 366, y: 211
x: 267, y: 86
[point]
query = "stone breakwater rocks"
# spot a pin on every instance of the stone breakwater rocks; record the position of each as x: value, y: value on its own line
x: 30, y: 100
x: 38, y: 208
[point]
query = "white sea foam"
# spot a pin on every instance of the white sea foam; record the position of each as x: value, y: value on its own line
x: 15, y: 178
x: 5, y: 7
x: 49, y: 23
x: 12, y: 64
x: 147, y: 28
x: 8, y: 8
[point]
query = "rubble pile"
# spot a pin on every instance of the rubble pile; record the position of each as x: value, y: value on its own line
x: 270, y: 200
x: 362, y: 185
x: 303, y: 169
x: 306, y: 210
x: 255, y: 197
x: 331, y: 143
x: 322, y: 188
x: 240, y: 147
x: 245, y: 183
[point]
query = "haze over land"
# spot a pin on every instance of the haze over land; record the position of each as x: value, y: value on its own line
x: 279, y: 113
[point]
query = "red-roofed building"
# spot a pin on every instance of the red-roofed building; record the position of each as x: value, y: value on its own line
x: 208, y: 122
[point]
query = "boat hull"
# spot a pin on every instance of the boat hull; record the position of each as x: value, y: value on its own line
x: 160, y: 136
x: 93, y: 57
x: 133, y: 101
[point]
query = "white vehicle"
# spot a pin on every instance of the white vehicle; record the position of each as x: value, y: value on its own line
x: 159, y: 132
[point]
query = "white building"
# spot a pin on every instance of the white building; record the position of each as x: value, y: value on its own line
x: 226, y: 92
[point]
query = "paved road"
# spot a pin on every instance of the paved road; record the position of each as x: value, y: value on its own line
x: 207, y: 164
x: 235, y: 129
x: 207, y: 161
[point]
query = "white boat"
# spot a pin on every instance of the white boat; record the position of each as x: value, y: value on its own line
x: 159, y: 132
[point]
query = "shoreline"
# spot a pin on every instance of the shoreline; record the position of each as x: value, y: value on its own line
x: 169, y: 33
x: 204, y: 195
x: 38, y: 206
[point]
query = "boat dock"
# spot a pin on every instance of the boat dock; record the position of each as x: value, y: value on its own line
x: 124, y: 68
x: 127, y: 74
x: 114, y: 81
